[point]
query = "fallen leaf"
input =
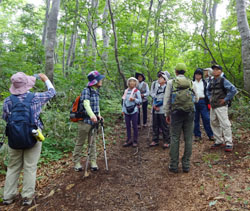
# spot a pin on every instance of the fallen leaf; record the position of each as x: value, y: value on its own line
x: 70, y: 186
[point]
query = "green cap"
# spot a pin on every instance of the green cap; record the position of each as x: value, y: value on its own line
x: 181, y: 66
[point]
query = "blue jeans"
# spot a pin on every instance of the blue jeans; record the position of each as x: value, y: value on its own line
x: 202, y: 110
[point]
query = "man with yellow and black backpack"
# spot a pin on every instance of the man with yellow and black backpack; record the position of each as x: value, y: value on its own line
x: 179, y: 99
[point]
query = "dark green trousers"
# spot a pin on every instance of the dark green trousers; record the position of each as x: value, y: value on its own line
x: 181, y: 121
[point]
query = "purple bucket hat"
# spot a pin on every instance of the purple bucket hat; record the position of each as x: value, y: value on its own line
x: 21, y: 83
x: 94, y: 77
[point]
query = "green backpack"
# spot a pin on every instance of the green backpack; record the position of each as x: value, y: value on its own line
x: 182, y: 96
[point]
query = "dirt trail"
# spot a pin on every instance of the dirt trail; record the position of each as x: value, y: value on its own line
x: 139, y: 180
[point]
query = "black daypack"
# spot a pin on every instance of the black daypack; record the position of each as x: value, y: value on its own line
x: 20, y: 123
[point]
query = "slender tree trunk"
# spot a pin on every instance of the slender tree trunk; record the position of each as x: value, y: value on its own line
x: 46, y: 21
x: 51, y: 39
x: 105, y: 36
x: 95, y: 4
x: 148, y: 21
x: 69, y: 62
x: 116, y: 46
x: 64, y: 48
x: 245, y: 41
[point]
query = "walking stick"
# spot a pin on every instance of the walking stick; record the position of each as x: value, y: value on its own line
x: 86, y: 174
x: 104, y: 146
x: 151, y: 123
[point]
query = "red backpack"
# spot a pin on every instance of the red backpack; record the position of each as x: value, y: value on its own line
x: 77, y: 110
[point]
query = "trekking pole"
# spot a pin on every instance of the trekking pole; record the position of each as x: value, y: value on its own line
x: 151, y: 120
x: 104, y: 146
x: 86, y: 174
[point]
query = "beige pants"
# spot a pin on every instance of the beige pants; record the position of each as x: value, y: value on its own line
x: 84, y: 133
x: 221, y: 125
x: 22, y: 159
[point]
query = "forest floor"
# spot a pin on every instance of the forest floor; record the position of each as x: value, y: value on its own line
x: 138, y: 179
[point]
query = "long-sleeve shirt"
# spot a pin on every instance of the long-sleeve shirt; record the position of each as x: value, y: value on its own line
x: 40, y: 98
x: 167, y: 96
x: 154, y: 87
x: 143, y: 87
x: 127, y: 102
x: 231, y: 90
x: 90, y: 98
x: 158, y: 99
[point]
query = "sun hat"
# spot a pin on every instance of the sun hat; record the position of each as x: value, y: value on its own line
x: 162, y: 74
x: 210, y: 71
x: 198, y: 71
x: 217, y: 66
x: 181, y: 66
x: 94, y: 77
x: 132, y: 78
x: 21, y: 83
x: 140, y: 74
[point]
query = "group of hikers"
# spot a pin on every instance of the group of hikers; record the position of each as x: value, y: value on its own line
x: 177, y: 105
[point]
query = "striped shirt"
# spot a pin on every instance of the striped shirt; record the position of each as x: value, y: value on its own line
x: 40, y: 98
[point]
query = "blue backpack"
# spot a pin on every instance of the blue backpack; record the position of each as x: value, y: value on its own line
x: 20, y: 123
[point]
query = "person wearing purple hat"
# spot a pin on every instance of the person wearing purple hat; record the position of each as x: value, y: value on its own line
x: 24, y: 158
x: 90, y: 99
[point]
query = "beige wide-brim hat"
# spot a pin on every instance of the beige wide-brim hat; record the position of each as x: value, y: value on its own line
x: 132, y: 78
x: 21, y: 83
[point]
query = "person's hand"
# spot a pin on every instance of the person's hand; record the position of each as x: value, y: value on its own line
x: 131, y: 99
x: 157, y: 108
x: 43, y: 77
x: 142, y: 95
x: 168, y: 120
x: 222, y: 102
x: 93, y: 119
x: 123, y: 113
x: 101, y: 118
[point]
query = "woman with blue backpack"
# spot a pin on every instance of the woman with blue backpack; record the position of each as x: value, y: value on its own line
x: 21, y: 111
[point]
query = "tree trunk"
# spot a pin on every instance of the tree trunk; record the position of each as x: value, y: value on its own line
x: 51, y: 39
x: 116, y: 46
x: 46, y: 21
x: 148, y: 21
x: 71, y: 50
x: 105, y: 36
x: 245, y: 41
x: 94, y: 27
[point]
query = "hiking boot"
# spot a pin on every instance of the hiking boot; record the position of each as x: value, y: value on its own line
x: 154, y: 144
x: 217, y: 146
x: 211, y: 138
x: 78, y: 166
x: 8, y: 201
x: 27, y: 201
x: 165, y: 146
x: 93, y: 165
x: 197, y: 138
x: 228, y: 148
x: 185, y: 169
x: 127, y: 144
x: 174, y: 170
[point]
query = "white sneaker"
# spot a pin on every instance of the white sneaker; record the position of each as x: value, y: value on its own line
x: 78, y: 166
x: 93, y: 165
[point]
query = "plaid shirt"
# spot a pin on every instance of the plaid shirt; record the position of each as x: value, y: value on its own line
x: 40, y: 98
x: 94, y: 102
